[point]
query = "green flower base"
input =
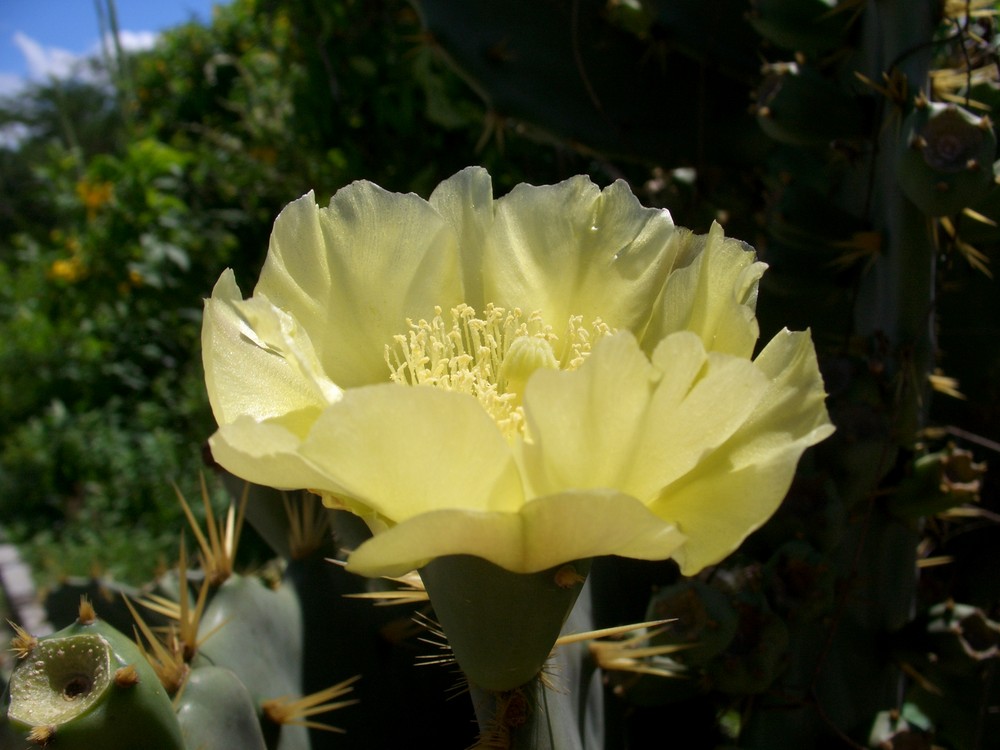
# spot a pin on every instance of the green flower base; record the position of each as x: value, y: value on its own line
x: 501, y: 625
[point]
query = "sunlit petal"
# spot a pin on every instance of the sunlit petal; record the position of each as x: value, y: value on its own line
x: 545, y: 533
x: 268, y: 452
x: 712, y: 292
x: 244, y: 376
x: 355, y: 271
x: 465, y: 201
x: 750, y: 473
x: 693, y: 410
x: 406, y: 451
x: 582, y: 424
x: 573, y: 249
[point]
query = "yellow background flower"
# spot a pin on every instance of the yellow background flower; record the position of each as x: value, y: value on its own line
x: 556, y: 374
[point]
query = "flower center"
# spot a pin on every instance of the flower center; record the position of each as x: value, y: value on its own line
x: 490, y: 357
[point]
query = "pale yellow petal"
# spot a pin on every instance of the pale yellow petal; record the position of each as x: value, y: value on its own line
x: 621, y: 422
x: 694, y: 409
x: 547, y: 532
x: 797, y: 391
x: 573, y: 249
x: 242, y: 374
x: 281, y: 333
x: 736, y: 488
x: 406, y: 450
x: 584, y: 425
x: 268, y: 452
x: 466, y: 203
x: 712, y: 292
x: 352, y: 273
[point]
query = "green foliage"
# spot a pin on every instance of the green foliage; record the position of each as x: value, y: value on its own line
x: 99, y: 316
x: 93, y: 487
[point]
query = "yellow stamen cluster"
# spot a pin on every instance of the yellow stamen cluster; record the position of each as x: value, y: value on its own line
x: 489, y: 357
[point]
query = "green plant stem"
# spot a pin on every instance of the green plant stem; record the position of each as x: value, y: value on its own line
x: 893, y: 315
x: 501, y: 625
x: 896, y: 297
x: 560, y: 709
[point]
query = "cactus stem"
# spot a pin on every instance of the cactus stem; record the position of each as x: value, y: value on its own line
x: 533, y: 716
x: 511, y: 710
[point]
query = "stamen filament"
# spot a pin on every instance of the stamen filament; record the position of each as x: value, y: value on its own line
x: 470, y: 354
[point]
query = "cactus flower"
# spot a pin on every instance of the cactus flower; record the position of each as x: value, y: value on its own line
x: 549, y: 376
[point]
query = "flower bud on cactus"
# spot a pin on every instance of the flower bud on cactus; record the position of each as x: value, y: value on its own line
x: 962, y: 635
x: 89, y: 686
x: 800, y: 25
x: 939, y: 481
x: 906, y: 730
x: 799, y: 106
x: 945, y: 158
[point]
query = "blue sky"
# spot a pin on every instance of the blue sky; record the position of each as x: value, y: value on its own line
x: 39, y: 38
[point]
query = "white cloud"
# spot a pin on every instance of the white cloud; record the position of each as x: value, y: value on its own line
x: 10, y: 84
x: 131, y: 41
x: 45, y: 62
x: 137, y: 41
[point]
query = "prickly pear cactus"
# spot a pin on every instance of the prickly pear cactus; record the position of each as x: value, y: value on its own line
x: 809, y: 26
x: 216, y: 711
x: 946, y: 158
x: 223, y: 667
x: 89, y: 686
